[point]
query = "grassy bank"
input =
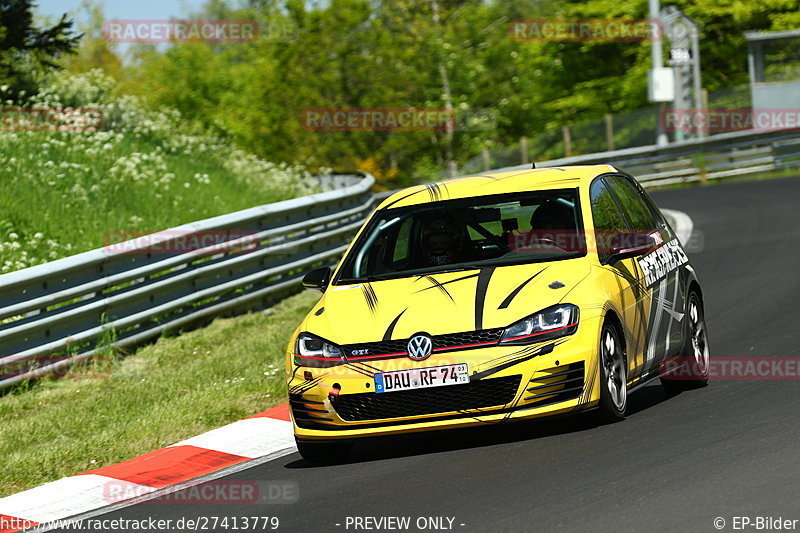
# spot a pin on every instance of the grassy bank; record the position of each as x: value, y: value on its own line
x: 144, y: 170
x: 166, y: 392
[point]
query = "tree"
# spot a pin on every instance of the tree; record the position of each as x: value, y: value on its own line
x: 26, y: 50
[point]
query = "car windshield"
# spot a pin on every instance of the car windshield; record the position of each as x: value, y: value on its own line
x: 467, y: 233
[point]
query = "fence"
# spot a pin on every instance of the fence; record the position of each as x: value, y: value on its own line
x: 56, y: 314
x: 719, y: 156
x: 618, y: 131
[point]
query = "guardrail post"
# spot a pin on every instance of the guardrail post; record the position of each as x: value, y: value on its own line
x: 523, y: 150
x: 609, y: 119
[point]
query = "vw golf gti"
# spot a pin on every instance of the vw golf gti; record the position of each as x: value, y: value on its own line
x: 494, y: 298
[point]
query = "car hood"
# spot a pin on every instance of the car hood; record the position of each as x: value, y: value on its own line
x: 441, y: 303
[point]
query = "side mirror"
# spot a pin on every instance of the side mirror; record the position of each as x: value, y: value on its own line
x: 317, y: 279
x: 625, y: 245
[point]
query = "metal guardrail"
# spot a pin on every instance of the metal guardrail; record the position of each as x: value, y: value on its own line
x: 720, y: 156
x: 56, y: 314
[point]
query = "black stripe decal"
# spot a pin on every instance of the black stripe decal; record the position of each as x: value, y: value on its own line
x: 387, y: 206
x: 528, y: 355
x: 369, y: 367
x: 446, y: 282
x: 370, y: 296
x: 439, y: 286
x: 480, y: 294
x: 307, y: 385
x: 388, y: 335
x: 514, y: 293
x: 433, y: 191
x: 361, y: 371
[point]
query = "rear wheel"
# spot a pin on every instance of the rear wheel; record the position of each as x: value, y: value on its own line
x: 613, y: 376
x: 323, y: 453
x: 691, y: 368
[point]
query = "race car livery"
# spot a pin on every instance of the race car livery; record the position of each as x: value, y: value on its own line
x: 491, y: 298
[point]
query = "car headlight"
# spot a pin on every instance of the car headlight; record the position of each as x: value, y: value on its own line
x: 311, y: 350
x: 553, y: 322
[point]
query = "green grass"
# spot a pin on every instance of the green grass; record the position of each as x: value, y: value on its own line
x: 146, y: 170
x: 174, y: 389
x: 770, y: 175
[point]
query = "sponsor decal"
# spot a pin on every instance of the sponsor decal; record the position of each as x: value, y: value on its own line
x: 660, y: 262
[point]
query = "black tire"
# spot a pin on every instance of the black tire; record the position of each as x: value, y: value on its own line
x: 690, y: 369
x: 324, y: 453
x: 613, y: 376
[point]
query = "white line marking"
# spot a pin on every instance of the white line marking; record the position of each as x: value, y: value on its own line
x: 681, y: 223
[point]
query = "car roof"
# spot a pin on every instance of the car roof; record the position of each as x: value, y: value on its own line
x: 566, y: 177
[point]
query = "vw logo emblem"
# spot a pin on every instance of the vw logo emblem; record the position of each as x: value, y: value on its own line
x: 420, y: 347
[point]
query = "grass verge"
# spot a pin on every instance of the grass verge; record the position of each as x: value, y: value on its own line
x: 144, y: 170
x: 768, y: 175
x: 171, y: 390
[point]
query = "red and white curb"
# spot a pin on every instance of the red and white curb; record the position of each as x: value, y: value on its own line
x: 265, y: 435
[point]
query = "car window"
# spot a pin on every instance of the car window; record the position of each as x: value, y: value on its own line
x: 633, y: 206
x: 468, y: 233
x: 401, y: 242
x: 607, y: 216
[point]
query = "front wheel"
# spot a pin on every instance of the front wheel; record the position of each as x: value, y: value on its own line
x: 323, y: 453
x: 613, y: 377
x: 691, y: 368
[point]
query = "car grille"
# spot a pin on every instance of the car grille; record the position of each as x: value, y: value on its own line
x: 557, y: 384
x: 474, y: 395
x: 441, y: 343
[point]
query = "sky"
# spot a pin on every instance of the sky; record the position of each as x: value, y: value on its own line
x: 120, y: 9
x: 123, y: 9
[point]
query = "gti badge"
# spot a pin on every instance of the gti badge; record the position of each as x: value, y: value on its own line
x: 420, y: 347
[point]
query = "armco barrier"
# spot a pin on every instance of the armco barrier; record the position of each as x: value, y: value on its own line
x: 55, y: 314
x: 720, y: 156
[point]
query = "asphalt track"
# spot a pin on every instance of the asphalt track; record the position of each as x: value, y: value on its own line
x: 676, y: 464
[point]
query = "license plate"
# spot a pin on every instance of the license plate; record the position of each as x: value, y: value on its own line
x: 422, y: 378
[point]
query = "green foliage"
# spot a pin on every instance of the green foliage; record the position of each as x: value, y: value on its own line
x: 63, y: 192
x: 398, y: 53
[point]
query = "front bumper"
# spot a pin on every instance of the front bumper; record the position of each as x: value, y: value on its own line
x: 506, y: 383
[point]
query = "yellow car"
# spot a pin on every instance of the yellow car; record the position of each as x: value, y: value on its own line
x: 493, y: 298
